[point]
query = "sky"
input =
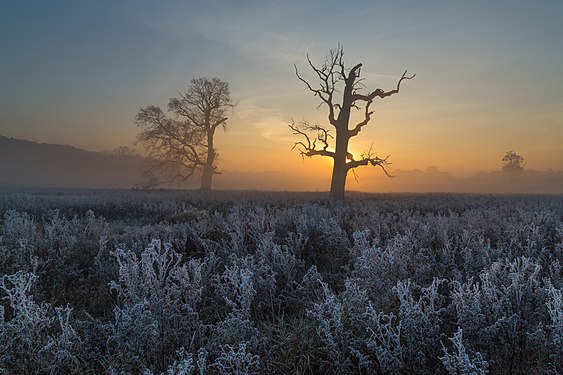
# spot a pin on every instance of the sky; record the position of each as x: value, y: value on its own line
x: 489, y: 76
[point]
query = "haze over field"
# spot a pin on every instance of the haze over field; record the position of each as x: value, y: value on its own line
x: 25, y: 164
x: 489, y: 78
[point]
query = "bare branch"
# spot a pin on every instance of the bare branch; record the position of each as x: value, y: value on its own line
x: 181, y: 108
x: 327, y: 75
x: 316, y: 91
x: 368, y: 158
x: 369, y: 100
x: 219, y: 122
x: 354, y: 74
x: 381, y: 93
x: 356, y: 177
x: 367, y: 117
x: 308, y: 147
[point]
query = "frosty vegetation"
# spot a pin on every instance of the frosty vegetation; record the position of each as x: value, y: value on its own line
x: 258, y: 283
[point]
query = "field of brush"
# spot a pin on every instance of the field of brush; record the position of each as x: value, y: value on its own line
x: 134, y: 282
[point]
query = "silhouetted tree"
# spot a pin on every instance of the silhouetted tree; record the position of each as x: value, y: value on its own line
x: 332, y: 76
x: 184, y: 141
x: 513, y: 162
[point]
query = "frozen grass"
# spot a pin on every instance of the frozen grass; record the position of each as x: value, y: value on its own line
x: 254, y: 282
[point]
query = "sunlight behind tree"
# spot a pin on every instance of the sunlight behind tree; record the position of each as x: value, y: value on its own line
x: 318, y: 140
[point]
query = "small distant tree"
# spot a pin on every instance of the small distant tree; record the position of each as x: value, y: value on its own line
x: 184, y: 141
x: 337, y: 80
x: 513, y: 162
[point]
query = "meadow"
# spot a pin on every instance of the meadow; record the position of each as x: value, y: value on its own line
x: 176, y: 282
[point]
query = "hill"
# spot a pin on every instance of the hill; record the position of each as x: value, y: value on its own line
x: 25, y: 163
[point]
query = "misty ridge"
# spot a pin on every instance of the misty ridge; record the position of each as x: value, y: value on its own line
x: 25, y: 163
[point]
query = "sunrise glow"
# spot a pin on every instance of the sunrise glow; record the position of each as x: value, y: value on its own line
x: 488, y: 78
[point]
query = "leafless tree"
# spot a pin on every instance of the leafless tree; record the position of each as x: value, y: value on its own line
x: 336, y: 80
x: 183, y: 142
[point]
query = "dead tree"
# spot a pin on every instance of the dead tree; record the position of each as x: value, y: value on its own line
x: 335, y: 79
x: 183, y: 142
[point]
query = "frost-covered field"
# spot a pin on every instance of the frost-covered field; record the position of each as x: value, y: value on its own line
x: 246, y: 282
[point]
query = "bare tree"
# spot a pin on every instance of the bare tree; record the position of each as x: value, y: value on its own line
x: 513, y: 162
x: 332, y: 75
x: 183, y: 142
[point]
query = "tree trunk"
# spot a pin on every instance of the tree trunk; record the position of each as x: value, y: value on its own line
x: 338, y: 182
x: 339, y: 170
x: 206, y: 178
x: 208, y: 169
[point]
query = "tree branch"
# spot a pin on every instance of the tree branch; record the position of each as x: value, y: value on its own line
x: 326, y: 74
x: 367, y: 117
x: 352, y: 75
x: 381, y: 93
x: 368, y: 158
x: 308, y: 147
x: 219, y: 122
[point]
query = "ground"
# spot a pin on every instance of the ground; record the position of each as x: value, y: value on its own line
x: 116, y: 281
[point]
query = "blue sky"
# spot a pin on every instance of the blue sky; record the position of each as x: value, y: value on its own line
x: 489, y: 74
